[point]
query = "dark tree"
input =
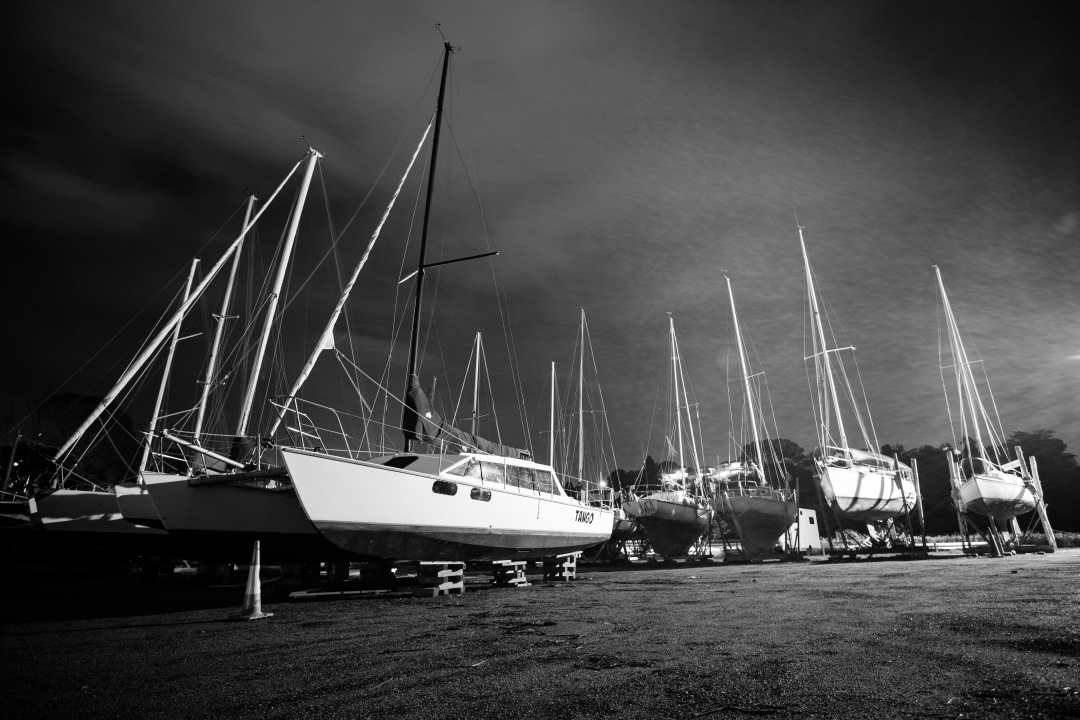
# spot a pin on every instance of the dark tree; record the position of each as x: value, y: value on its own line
x: 934, y: 484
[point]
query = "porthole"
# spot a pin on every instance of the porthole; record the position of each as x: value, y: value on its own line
x: 442, y: 487
x: 480, y: 494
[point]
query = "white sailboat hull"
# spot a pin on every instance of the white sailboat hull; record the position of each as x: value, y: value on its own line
x: 221, y: 521
x: 378, y: 511
x: 136, y: 505
x: 866, y: 493
x: 999, y: 495
x: 226, y: 508
x: 75, y: 526
x: 83, y: 511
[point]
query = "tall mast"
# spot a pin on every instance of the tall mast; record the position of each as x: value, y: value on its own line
x: 275, y: 294
x: 415, y: 332
x: 820, y: 334
x: 965, y: 381
x: 581, y: 403
x: 136, y: 366
x: 476, y: 384
x: 746, y: 376
x: 675, y: 383
x: 166, y: 372
x: 551, y: 420
x: 686, y: 404
x: 219, y: 331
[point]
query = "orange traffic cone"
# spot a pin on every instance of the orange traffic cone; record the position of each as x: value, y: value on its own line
x: 252, y: 608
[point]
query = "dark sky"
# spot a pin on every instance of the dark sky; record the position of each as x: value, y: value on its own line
x: 626, y: 155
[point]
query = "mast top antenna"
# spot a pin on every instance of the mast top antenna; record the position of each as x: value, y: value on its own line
x: 438, y: 29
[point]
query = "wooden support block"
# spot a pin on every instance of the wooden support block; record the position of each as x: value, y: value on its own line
x: 509, y: 573
x: 561, y: 567
x: 440, y: 578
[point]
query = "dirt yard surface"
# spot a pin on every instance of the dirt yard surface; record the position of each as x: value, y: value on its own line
x: 940, y: 638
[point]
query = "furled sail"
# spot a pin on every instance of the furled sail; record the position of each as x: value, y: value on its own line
x: 421, y: 423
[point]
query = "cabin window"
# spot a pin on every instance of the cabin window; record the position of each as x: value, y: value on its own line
x: 442, y: 487
x: 521, y: 477
x: 401, y: 461
x: 488, y: 472
x: 810, y: 520
x: 545, y: 481
x: 470, y: 468
x: 480, y: 494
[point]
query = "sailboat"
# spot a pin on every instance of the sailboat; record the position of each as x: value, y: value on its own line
x: 860, y: 484
x: 759, y: 511
x: 228, y: 497
x: 675, y: 517
x: 984, y: 482
x: 242, y: 490
x: 161, y: 500
x: 462, y: 498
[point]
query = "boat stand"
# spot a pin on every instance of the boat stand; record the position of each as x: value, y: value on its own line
x: 896, y: 545
x: 993, y: 538
x: 1031, y: 475
x: 509, y: 573
x: 440, y: 578
x: 744, y: 556
x: 727, y: 549
x: 918, y: 507
x: 561, y: 567
x: 702, y: 550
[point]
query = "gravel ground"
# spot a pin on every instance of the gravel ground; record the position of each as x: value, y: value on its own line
x: 943, y: 638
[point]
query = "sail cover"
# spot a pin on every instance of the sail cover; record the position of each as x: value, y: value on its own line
x: 422, y: 423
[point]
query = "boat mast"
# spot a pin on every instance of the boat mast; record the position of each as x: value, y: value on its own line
x: 551, y: 420
x: 686, y: 404
x: 820, y: 334
x: 675, y: 382
x: 415, y: 332
x: 581, y: 403
x: 219, y: 331
x: 476, y: 384
x: 275, y: 295
x: 965, y: 381
x: 159, y: 401
x: 152, y: 347
x: 746, y: 378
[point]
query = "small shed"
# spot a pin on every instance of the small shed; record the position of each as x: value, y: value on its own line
x: 803, y: 533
